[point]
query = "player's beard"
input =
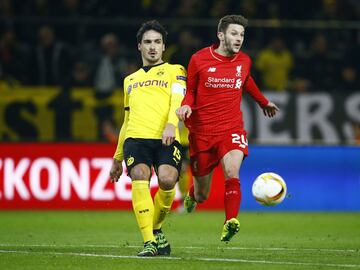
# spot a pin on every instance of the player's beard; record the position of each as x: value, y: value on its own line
x: 229, y: 48
x: 153, y: 61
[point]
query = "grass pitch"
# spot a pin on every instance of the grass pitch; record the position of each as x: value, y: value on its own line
x: 111, y: 240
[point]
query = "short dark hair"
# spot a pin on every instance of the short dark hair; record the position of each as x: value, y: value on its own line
x: 151, y: 25
x: 231, y: 19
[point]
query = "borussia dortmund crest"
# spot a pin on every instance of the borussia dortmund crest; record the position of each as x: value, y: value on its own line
x: 160, y: 72
x: 130, y: 160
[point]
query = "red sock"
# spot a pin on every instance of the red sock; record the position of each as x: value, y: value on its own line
x: 232, y: 198
x: 191, y: 192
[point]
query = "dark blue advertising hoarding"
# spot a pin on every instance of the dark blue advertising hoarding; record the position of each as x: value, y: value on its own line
x: 319, y: 178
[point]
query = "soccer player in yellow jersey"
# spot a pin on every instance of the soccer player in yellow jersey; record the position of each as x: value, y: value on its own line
x: 149, y: 136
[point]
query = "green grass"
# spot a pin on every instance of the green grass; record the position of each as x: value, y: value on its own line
x: 110, y: 240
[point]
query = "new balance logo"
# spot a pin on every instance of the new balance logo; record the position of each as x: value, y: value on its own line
x: 211, y: 69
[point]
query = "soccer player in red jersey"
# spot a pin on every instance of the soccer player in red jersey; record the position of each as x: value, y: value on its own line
x: 217, y: 77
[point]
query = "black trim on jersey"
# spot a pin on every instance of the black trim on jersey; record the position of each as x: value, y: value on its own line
x: 127, y: 108
x: 147, y: 68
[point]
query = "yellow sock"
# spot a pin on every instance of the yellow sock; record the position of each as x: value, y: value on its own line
x: 162, y: 201
x: 143, y: 208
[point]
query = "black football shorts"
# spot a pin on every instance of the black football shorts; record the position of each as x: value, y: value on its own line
x: 152, y: 152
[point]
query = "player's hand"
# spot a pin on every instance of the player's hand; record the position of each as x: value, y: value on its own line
x: 270, y: 109
x: 168, y: 136
x: 183, y: 112
x: 116, y: 171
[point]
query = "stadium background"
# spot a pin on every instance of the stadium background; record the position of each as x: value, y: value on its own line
x: 61, y: 70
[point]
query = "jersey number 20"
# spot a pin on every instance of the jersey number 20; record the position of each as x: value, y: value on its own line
x: 239, y: 139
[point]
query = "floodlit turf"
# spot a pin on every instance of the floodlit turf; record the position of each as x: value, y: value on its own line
x: 110, y: 240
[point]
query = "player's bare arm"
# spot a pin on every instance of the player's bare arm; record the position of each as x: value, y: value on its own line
x: 168, y: 136
x: 116, y: 170
x: 183, y: 112
x: 270, y: 109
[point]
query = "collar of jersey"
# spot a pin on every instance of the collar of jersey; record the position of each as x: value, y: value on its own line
x: 147, y: 68
x: 221, y: 57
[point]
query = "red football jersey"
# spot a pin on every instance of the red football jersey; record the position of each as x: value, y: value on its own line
x: 215, y: 84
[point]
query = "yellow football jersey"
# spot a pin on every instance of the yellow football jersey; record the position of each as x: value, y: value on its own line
x: 151, y: 96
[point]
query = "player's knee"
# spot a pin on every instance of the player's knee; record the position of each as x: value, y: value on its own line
x: 140, y: 173
x: 167, y: 179
x: 167, y: 184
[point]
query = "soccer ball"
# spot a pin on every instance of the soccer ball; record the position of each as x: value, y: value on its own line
x: 269, y: 189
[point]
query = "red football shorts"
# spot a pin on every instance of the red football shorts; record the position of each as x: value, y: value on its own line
x: 207, y: 151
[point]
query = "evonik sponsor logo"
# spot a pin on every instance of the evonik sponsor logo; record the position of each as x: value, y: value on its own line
x: 160, y: 83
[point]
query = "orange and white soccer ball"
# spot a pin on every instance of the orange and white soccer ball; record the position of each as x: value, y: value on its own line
x: 269, y: 189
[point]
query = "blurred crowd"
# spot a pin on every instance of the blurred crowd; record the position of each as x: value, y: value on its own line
x: 73, y: 43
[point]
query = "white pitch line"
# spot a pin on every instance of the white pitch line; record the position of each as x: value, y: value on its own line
x: 188, y: 247
x: 295, y: 249
x: 61, y: 246
x: 89, y: 255
x: 273, y: 249
x: 187, y: 259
